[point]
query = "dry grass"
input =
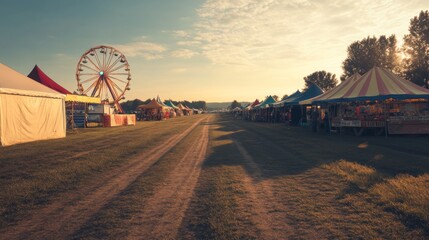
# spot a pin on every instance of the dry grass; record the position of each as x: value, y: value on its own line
x: 113, y: 220
x: 406, y: 194
x: 326, y: 186
x: 216, y: 211
x: 33, y: 174
x: 327, y: 182
x: 362, y: 176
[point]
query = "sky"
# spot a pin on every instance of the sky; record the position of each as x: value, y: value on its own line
x: 211, y: 50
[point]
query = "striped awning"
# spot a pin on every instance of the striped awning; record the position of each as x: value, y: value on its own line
x: 336, y: 91
x: 378, y: 84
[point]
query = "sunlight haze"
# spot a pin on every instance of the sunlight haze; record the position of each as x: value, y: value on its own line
x: 215, y: 50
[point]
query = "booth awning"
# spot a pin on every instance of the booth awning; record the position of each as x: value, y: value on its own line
x: 379, y: 84
x: 82, y: 99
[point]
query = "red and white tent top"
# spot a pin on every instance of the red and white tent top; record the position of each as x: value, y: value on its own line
x: 379, y: 84
x: 38, y: 75
x: 12, y: 82
x: 336, y: 91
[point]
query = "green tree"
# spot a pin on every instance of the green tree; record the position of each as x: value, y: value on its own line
x: 323, y: 79
x: 284, y: 97
x: 416, y: 50
x: 234, y: 104
x: 371, y: 52
x: 131, y: 106
x: 276, y: 97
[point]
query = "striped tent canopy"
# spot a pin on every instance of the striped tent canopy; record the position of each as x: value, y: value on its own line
x: 338, y: 90
x: 380, y: 84
x: 159, y: 100
x: 170, y: 104
x: 269, y: 100
x: 252, y: 105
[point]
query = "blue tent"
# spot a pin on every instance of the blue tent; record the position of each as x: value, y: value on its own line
x: 290, y: 98
x: 311, y: 92
x: 266, y: 103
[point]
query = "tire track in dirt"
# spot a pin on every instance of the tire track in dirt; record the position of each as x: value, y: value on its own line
x: 69, y: 211
x: 164, y: 211
x: 268, y: 214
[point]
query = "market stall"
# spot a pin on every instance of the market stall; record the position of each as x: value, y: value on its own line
x: 84, y: 111
x: 154, y: 111
x: 408, y: 117
x: 380, y: 101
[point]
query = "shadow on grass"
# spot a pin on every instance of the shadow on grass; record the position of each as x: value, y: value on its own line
x: 276, y: 151
x: 279, y: 150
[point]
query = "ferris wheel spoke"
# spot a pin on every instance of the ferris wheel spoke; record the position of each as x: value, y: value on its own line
x: 100, y: 90
x: 119, y: 90
x: 89, y: 79
x: 114, y: 63
x: 111, y: 83
x: 91, y: 86
x: 92, y: 62
x: 118, y: 74
x: 117, y: 68
x: 97, y: 85
x: 112, y: 90
x: 104, y: 59
x: 90, y: 74
x: 117, y: 79
x: 116, y: 86
x: 83, y: 65
x: 98, y: 60
x: 109, y: 59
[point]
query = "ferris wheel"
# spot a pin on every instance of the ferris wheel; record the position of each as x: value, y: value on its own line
x: 104, y: 72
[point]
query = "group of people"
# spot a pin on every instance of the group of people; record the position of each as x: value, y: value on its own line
x: 315, y: 120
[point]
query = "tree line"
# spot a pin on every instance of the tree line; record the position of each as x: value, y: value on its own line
x: 411, y: 61
x: 131, y: 105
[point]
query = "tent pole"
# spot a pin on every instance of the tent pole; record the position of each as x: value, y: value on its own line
x: 385, y: 119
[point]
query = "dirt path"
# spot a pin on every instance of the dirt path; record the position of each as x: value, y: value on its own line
x: 163, y: 213
x: 268, y: 214
x: 65, y: 215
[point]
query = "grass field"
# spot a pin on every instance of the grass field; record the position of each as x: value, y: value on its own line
x: 257, y: 181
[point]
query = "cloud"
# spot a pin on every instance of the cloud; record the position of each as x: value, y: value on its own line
x: 183, y: 53
x: 179, y: 70
x: 180, y: 33
x: 277, y: 32
x: 189, y: 43
x: 147, y: 50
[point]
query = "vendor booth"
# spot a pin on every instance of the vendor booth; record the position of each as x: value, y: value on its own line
x: 264, y: 111
x: 378, y: 100
x: 153, y: 111
x: 176, y: 112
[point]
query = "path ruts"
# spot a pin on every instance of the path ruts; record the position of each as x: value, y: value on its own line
x: 162, y: 215
x: 64, y: 216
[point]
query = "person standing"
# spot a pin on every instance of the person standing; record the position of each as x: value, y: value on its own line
x: 314, y: 119
x: 327, y: 122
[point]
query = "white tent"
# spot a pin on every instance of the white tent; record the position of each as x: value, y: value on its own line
x: 29, y: 111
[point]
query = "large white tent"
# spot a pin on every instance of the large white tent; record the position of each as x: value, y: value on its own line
x: 29, y: 111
